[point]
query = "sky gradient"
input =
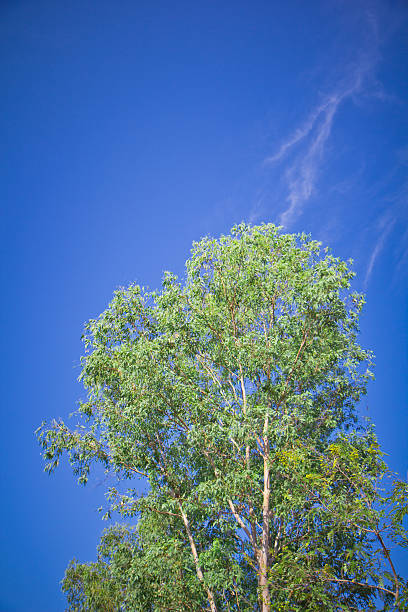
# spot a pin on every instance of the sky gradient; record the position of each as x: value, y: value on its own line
x: 130, y: 129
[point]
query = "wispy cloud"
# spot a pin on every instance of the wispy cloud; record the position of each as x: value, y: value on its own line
x: 391, y: 194
x: 302, y: 172
x: 387, y: 225
x: 301, y: 175
x: 299, y: 134
x: 302, y: 153
x: 257, y: 209
x: 293, y: 169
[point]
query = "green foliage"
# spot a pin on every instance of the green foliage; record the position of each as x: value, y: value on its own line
x: 233, y: 396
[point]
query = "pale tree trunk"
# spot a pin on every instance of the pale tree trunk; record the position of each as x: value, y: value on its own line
x: 199, y: 571
x: 264, y: 555
x: 193, y: 547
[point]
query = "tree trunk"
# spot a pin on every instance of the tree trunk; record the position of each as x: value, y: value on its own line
x: 199, y: 571
x: 264, y: 554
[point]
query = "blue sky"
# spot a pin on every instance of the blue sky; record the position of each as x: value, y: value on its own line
x: 130, y: 129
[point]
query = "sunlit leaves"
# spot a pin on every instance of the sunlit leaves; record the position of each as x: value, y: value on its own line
x: 236, y: 386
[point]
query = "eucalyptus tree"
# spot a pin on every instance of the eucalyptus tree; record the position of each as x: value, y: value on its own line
x: 233, y: 395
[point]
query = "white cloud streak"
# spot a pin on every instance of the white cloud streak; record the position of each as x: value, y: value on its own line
x: 257, y: 210
x: 299, y: 134
x: 301, y: 175
x: 299, y: 158
x: 307, y: 145
x: 378, y: 247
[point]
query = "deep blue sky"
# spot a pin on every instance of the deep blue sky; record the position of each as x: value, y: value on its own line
x: 130, y: 129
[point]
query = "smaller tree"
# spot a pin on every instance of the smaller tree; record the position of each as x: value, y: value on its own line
x: 344, y: 531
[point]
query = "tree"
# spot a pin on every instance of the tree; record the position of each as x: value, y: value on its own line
x: 233, y: 395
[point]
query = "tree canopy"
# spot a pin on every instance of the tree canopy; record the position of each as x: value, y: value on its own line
x: 233, y: 395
